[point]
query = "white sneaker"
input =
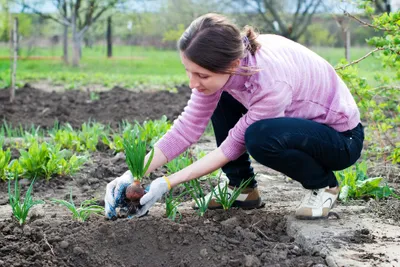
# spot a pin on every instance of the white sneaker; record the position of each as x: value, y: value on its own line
x: 317, y: 203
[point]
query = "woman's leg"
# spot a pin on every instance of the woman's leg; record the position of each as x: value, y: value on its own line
x: 304, y: 150
x: 225, y: 117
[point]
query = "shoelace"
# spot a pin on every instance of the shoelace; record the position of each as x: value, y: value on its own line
x: 313, y: 197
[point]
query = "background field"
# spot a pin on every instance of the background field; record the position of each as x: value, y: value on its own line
x: 134, y: 66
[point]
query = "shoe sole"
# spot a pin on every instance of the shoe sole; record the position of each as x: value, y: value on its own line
x: 246, y: 205
x: 320, y: 217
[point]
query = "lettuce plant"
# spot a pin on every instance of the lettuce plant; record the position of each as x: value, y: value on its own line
x: 355, y: 184
x: 5, y: 157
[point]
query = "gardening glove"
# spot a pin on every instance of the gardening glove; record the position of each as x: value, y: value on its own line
x: 115, y: 194
x: 157, y: 189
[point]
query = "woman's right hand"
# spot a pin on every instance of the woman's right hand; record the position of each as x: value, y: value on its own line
x: 115, y: 194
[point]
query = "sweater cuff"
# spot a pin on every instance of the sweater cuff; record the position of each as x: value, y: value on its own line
x: 231, y: 149
x: 171, y: 147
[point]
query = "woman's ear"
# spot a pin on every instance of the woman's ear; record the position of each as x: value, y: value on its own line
x: 235, y: 64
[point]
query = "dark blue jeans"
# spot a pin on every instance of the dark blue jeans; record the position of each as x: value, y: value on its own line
x: 304, y: 150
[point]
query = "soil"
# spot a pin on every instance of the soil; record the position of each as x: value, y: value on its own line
x: 52, y: 238
x: 233, y: 238
x: 33, y: 106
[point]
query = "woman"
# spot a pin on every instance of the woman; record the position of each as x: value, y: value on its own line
x: 267, y: 97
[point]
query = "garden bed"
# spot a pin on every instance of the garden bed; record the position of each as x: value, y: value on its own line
x: 220, y: 238
x: 52, y: 238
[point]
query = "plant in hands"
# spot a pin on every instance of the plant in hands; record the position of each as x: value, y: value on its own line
x: 227, y: 198
x: 82, y: 212
x: 135, y: 151
x: 21, y: 209
x: 196, y: 192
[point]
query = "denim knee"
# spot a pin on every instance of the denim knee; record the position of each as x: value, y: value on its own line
x: 251, y: 138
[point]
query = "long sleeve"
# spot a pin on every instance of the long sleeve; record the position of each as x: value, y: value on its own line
x: 190, y: 125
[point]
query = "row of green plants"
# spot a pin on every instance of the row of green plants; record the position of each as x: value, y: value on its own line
x: 21, y: 207
x: 87, y: 138
x: 40, y: 160
x: 354, y: 182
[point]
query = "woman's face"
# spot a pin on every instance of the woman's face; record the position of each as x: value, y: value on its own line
x: 201, y: 79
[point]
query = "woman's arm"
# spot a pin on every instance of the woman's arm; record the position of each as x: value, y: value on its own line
x: 159, y: 159
x: 211, y: 162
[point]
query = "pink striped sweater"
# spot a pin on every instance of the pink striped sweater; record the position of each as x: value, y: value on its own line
x: 293, y: 82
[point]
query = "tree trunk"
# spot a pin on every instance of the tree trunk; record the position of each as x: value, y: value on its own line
x: 347, y: 44
x: 14, y: 66
x: 65, y: 45
x: 75, y: 43
x: 109, y: 38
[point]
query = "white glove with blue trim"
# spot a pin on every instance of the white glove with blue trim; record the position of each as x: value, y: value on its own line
x: 115, y: 194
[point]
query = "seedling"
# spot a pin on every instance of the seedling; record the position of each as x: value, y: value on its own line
x: 197, y: 193
x: 135, y: 151
x: 171, y: 205
x: 179, y: 163
x: 227, y: 199
x: 21, y: 209
x: 83, y: 212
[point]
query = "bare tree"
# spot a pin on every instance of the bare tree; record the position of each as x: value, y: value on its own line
x: 288, y: 18
x: 79, y: 15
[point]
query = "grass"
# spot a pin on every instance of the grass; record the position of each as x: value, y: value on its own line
x: 133, y: 66
x: 148, y: 66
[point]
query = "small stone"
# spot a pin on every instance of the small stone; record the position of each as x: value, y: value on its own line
x: 252, y: 261
x: 78, y: 251
x: 64, y: 244
x: 27, y: 230
x: 17, y: 231
x: 230, y: 222
x: 203, y: 252
x: 330, y: 261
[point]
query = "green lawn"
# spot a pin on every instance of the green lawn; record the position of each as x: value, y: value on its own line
x: 132, y: 67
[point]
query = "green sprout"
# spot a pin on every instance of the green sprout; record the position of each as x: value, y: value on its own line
x: 83, y: 212
x: 226, y: 198
x: 196, y: 192
x: 171, y: 205
x: 21, y: 209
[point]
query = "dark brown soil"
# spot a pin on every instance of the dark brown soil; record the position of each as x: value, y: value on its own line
x: 232, y: 239
x: 32, y: 106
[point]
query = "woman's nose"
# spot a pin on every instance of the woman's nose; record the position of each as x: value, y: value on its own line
x: 193, y: 82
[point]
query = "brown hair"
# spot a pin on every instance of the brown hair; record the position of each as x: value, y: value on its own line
x: 213, y: 42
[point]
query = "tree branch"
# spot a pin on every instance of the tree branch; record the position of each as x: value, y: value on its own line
x: 360, y: 59
x: 366, y: 23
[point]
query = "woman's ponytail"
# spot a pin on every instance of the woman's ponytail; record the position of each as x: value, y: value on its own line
x: 250, y: 36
